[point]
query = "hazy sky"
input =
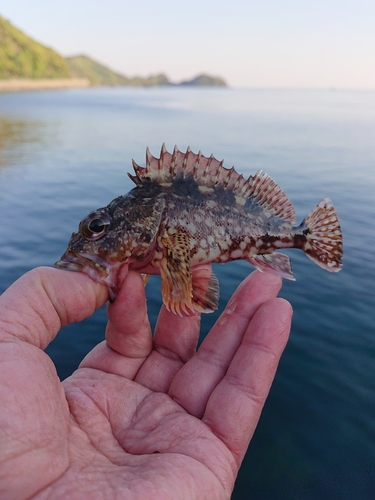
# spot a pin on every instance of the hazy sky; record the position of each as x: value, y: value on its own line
x: 251, y: 43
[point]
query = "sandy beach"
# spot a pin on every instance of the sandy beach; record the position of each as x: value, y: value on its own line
x: 19, y: 84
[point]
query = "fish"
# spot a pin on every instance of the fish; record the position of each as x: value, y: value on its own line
x: 186, y: 211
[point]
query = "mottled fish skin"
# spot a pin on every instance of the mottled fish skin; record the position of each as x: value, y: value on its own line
x: 187, y: 210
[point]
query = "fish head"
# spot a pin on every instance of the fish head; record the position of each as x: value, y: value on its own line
x: 110, y: 239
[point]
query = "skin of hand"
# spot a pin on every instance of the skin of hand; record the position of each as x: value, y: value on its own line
x: 143, y: 416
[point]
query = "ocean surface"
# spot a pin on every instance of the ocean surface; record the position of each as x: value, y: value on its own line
x: 65, y: 153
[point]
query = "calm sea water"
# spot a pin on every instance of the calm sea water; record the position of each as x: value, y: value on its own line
x: 64, y: 153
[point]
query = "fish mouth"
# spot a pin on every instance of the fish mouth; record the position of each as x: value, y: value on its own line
x: 94, y: 266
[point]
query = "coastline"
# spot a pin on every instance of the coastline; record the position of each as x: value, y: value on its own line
x: 19, y: 84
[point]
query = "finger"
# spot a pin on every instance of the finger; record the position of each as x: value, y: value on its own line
x: 176, y: 336
x: 37, y: 305
x: 175, y: 341
x: 128, y: 333
x: 194, y: 383
x: 234, y: 407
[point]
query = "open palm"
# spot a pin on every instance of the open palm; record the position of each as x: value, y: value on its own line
x: 144, y: 416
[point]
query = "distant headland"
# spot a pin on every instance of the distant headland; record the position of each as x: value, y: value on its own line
x: 26, y: 65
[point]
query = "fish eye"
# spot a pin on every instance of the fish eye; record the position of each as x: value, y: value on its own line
x: 94, y: 226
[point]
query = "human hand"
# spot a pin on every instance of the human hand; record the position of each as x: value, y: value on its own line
x: 142, y: 417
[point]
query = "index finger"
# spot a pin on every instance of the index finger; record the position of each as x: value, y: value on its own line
x: 128, y: 332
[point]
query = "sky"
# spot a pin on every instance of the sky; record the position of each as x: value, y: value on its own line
x: 250, y: 43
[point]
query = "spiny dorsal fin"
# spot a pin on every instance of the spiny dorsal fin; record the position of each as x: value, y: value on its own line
x: 207, y: 171
x: 211, y: 173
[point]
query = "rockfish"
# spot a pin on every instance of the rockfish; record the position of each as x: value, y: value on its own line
x: 187, y: 210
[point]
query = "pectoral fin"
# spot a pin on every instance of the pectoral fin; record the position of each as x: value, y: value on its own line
x: 275, y: 262
x: 185, y: 290
x: 175, y: 273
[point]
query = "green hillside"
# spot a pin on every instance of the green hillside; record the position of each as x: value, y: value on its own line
x: 85, y: 67
x: 23, y: 57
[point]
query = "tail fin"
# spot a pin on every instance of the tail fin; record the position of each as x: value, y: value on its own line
x: 320, y: 237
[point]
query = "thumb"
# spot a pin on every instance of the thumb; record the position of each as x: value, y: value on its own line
x: 38, y: 304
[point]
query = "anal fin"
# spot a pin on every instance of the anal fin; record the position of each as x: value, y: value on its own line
x: 205, y: 289
x: 275, y: 262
